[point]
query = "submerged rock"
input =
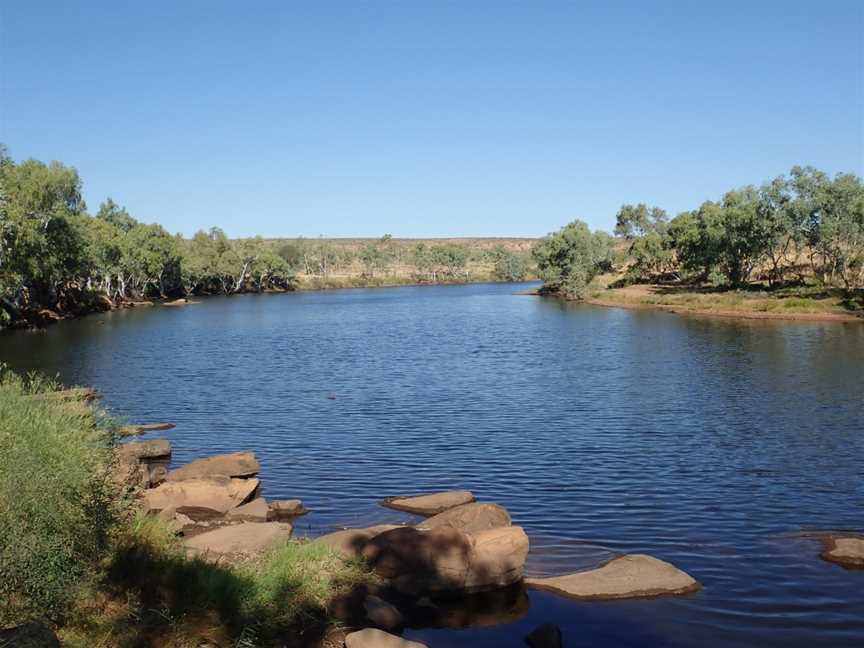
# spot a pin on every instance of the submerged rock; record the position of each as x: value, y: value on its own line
x: 144, y: 428
x: 469, y: 518
x: 201, y: 498
x: 351, y: 542
x: 848, y: 552
x: 631, y: 576
x: 281, y: 509
x: 373, y: 638
x: 430, y: 504
x: 242, y: 540
x: 233, y: 464
x: 448, y: 560
x: 547, y: 635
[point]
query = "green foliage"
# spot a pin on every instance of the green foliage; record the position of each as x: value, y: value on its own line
x: 569, y: 259
x: 56, y: 508
x: 445, y: 261
x: 509, y: 266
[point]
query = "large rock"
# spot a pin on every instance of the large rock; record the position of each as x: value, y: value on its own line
x: 143, y: 450
x: 631, y: 576
x: 372, y: 638
x: 255, y: 511
x: 29, y: 635
x: 382, y: 614
x: 848, y: 552
x: 240, y: 540
x: 234, y: 464
x: 201, y: 499
x: 431, y: 504
x: 469, y: 518
x: 448, y: 560
x: 351, y: 542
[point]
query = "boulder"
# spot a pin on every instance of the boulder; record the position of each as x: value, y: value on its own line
x: 631, y: 576
x: 241, y: 540
x: 372, y: 638
x: 281, y: 509
x: 848, y: 552
x: 469, y: 518
x: 351, y: 542
x: 547, y: 635
x: 448, y: 560
x: 255, y: 511
x: 29, y: 635
x: 382, y: 614
x: 201, y: 499
x: 143, y: 450
x: 233, y: 464
x: 431, y: 504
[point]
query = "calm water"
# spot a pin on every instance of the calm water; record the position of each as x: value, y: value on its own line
x: 712, y: 444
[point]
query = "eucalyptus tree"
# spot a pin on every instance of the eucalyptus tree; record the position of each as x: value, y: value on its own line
x: 569, y: 259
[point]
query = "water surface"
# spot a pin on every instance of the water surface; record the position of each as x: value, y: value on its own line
x: 708, y: 443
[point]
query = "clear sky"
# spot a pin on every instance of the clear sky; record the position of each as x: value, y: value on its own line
x: 427, y: 118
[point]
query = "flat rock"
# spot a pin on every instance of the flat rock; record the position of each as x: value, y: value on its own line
x: 144, y: 428
x: 255, y: 511
x: 373, y: 638
x: 547, y: 635
x: 142, y: 450
x: 631, y: 576
x: 448, y: 560
x: 351, y: 542
x: 233, y: 464
x: 431, y: 504
x: 848, y: 552
x: 469, y: 518
x: 246, y: 539
x: 281, y: 509
x: 201, y: 499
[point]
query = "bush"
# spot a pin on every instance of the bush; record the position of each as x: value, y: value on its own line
x: 56, y: 509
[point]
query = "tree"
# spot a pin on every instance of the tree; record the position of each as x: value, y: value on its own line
x: 569, y: 259
x: 509, y: 266
x: 635, y: 221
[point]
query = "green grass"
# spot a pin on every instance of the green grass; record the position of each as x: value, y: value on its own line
x: 153, y: 594
x: 56, y: 507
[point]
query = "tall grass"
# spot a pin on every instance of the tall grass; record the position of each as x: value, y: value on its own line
x: 56, y: 508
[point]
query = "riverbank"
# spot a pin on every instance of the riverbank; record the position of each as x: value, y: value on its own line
x: 809, y: 303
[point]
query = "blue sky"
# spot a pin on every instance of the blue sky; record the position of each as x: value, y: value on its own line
x: 427, y: 118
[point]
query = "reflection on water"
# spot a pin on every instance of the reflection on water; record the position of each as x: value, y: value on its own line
x: 708, y: 443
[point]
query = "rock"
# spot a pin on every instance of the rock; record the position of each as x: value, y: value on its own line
x: 848, y: 552
x: 136, y: 430
x: 29, y: 635
x: 351, y: 542
x: 281, y: 509
x: 234, y: 464
x: 431, y: 504
x: 201, y: 499
x: 255, y: 511
x: 246, y: 539
x: 631, y: 576
x: 372, y: 638
x: 547, y: 635
x: 175, y: 521
x: 141, y: 450
x: 382, y: 614
x: 469, y: 518
x: 448, y: 560
x: 493, y: 608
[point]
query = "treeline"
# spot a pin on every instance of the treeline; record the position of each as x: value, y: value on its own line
x: 802, y: 227
x: 54, y: 255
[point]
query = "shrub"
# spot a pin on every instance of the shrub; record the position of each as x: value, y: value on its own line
x: 56, y: 510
